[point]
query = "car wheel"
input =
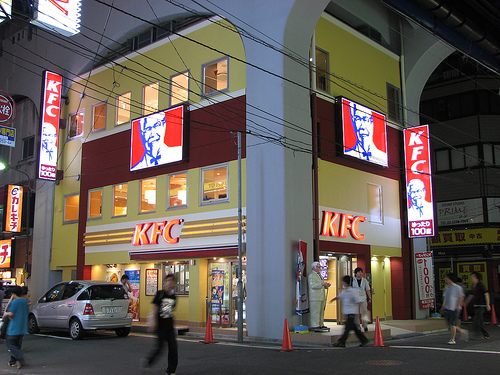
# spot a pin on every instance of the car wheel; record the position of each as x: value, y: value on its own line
x: 122, y: 332
x: 76, y: 330
x: 32, y: 325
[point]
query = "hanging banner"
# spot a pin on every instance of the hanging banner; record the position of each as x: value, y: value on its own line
x: 14, y: 208
x: 419, y: 182
x: 425, y: 278
x: 5, y: 253
x: 301, y: 300
x: 134, y: 278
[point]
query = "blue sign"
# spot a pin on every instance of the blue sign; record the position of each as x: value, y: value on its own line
x: 7, y: 136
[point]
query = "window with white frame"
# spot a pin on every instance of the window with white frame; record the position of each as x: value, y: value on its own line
x: 95, y: 204
x: 181, y: 272
x: 148, y: 195
x: 215, y: 76
x: 120, y: 200
x: 150, y: 98
x: 75, y: 128
x: 177, y: 190
x: 179, y: 88
x: 214, y: 188
x: 123, y: 108
x: 99, y: 117
x: 375, y: 207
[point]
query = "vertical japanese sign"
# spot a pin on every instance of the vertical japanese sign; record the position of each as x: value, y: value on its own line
x: 425, y: 277
x: 419, y: 182
x: 134, y: 277
x: 5, y: 253
x: 50, y: 125
x: 14, y: 208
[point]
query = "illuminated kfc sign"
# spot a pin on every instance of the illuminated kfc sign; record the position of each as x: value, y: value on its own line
x: 157, y: 139
x: 150, y: 233
x: 14, y: 208
x: 61, y: 16
x: 338, y: 225
x: 364, y: 133
x: 5, y: 253
x: 419, y: 182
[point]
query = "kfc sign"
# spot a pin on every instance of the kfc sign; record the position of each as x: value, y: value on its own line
x: 150, y: 233
x: 338, y: 225
x: 419, y: 182
x: 50, y: 125
x: 364, y: 133
x: 61, y: 16
x: 157, y: 139
x: 14, y: 208
x: 5, y: 253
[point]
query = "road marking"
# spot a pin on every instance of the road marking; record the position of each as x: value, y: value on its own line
x: 52, y: 337
x: 446, y: 349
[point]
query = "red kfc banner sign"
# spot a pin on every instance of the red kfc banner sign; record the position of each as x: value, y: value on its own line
x: 419, y: 200
x: 14, y: 208
x: 5, y: 253
x: 50, y: 126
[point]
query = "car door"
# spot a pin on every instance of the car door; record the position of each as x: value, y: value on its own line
x: 48, y: 305
x: 64, y: 307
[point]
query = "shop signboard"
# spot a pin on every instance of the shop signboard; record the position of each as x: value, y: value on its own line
x: 50, y: 126
x: 60, y: 16
x: 336, y: 224
x: 364, y: 133
x: 425, y: 278
x: 157, y: 139
x: 466, y: 237
x: 150, y: 233
x: 465, y: 211
x: 14, y: 208
x: 134, y: 278
x: 464, y: 269
x: 8, y: 109
x: 5, y: 253
x: 418, y: 182
x: 442, y: 272
x: 7, y: 136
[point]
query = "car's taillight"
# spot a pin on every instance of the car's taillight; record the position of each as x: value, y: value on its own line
x: 89, y: 310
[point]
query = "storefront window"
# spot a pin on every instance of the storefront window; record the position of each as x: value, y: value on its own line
x: 322, y: 70
x: 181, y: 272
x: 71, y: 204
x: 150, y: 95
x: 215, y: 76
x: 95, y: 204
x: 120, y: 200
x: 99, y: 118
x: 76, y: 124
x: 123, y: 108
x: 177, y: 190
x: 148, y: 195
x: 179, y: 88
x: 214, y: 188
x: 375, y: 204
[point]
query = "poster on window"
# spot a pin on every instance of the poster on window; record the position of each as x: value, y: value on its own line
x: 151, y: 281
x: 113, y: 274
x: 425, y: 278
x: 134, y: 278
x: 465, y: 269
x: 217, y: 295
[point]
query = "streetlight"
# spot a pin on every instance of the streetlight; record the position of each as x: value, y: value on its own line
x: 5, y: 167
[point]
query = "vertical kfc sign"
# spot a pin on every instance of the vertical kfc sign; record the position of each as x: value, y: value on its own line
x: 14, y: 208
x: 50, y: 124
x: 419, y: 182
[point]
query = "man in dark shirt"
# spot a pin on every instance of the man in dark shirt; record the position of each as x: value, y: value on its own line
x: 481, y: 301
x: 163, y: 308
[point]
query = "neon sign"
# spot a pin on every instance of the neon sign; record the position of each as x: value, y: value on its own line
x: 338, y: 225
x: 150, y: 233
x: 5, y: 253
x: 14, y: 208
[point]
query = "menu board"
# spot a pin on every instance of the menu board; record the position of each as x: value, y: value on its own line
x: 151, y: 282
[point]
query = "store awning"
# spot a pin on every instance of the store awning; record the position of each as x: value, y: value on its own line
x: 202, y: 252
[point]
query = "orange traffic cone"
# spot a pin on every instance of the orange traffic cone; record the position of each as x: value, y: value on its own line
x: 378, y: 340
x: 465, y: 318
x: 209, y: 338
x: 493, y: 315
x: 287, y: 341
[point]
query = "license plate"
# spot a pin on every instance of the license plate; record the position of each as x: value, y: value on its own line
x: 112, y: 310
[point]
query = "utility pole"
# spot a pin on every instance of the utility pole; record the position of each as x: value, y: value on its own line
x: 240, y: 249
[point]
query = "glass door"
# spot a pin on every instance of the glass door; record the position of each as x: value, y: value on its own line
x: 234, y: 292
x: 220, y: 293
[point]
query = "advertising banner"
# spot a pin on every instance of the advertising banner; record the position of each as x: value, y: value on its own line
x: 61, y: 16
x: 134, y: 278
x: 113, y: 274
x: 466, y: 211
x: 7, y: 136
x: 301, y: 301
x: 466, y: 237
x: 14, y: 208
x: 5, y: 253
x: 364, y: 133
x: 157, y: 139
x: 50, y: 126
x: 419, y: 182
x: 425, y: 278
x: 217, y: 294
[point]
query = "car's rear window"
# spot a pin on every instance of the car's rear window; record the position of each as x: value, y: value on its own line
x: 102, y: 292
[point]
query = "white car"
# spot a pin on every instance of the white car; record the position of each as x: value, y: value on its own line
x: 79, y: 306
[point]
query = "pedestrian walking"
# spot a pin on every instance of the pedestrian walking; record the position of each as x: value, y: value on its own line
x: 453, y: 301
x: 362, y: 286
x: 163, y: 324
x: 350, y: 307
x: 480, y: 299
x: 17, y: 311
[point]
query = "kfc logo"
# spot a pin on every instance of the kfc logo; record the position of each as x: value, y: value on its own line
x: 338, y: 225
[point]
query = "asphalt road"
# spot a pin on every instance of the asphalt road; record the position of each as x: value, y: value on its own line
x: 105, y: 353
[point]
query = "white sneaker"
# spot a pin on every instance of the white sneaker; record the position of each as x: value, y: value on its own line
x: 452, y: 342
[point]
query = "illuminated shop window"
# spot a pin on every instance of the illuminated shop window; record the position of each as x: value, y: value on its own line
x: 375, y: 206
x: 120, y: 200
x: 99, y: 117
x: 177, y: 190
x: 123, y: 108
x: 215, y: 76
x: 76, y: 124
x: 181, y: 272
x: 150, y: 95
x: 95, y: 204
x: 148, y: 195
x: 214, y: 188
x: 179, y: 88
x: 322, y: 70
x: 71, y: 204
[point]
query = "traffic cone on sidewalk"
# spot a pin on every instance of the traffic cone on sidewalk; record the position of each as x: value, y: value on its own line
x: 378, y: 340
x: 493, y: 315
x: 287, y: 341
x: 209, y: 338
x: 465, y: 317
